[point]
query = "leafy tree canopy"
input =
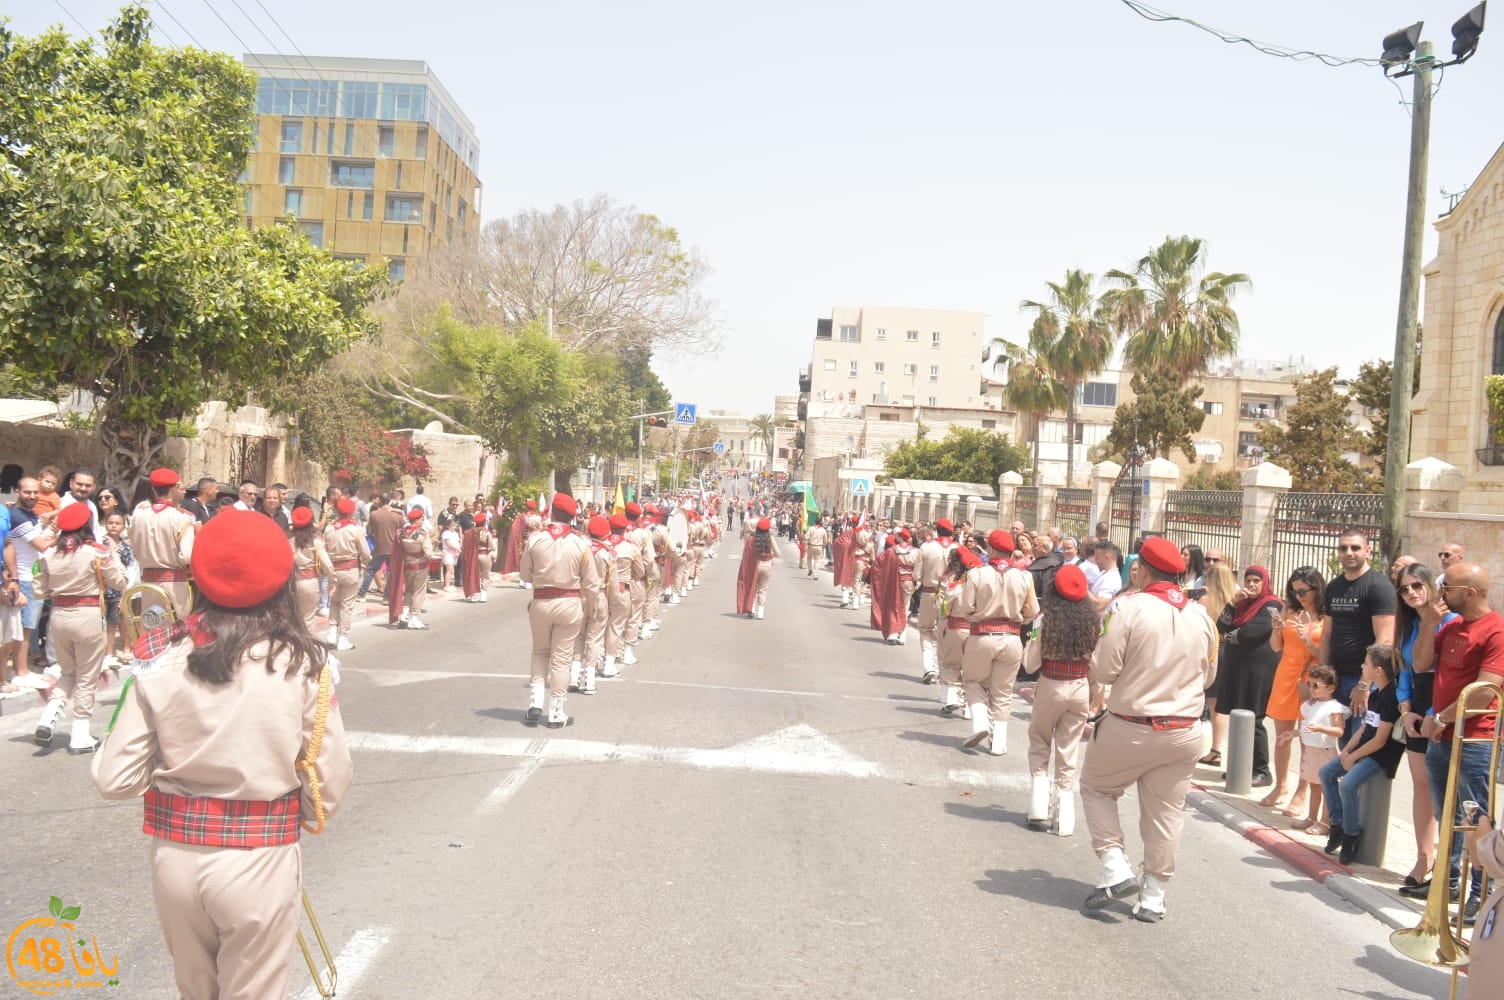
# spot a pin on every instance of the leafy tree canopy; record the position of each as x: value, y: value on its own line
x: 1167, y: 411
x: 1310, y: 441
x: 965, y: 454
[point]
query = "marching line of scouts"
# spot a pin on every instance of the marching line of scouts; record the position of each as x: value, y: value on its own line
x: 1141, y: 681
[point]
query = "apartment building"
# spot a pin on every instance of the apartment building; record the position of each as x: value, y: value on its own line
x: 372, y: 157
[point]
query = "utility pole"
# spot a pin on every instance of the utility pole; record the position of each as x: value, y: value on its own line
x: 641, y: 433
x: 1397, y: 451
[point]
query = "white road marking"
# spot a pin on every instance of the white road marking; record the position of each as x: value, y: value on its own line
x: 797, y: 750
x: 515, y: 779
x: 352, y: 961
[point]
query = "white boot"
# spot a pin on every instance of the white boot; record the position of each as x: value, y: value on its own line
x: 556, y: 717
x: 1039, y: 803
x: 416, y: 623
x: 610, y: 669
x: 628, y: 658
x: 999, y: 745
x: 1065, y: 814
x: 50, y: 716
x: 333, y: 636
x: 1118, y: 880
x: 80, y: 741
x: 950, y: 701
x: 587, y: 680
x: 344, y: 643
x: 484, y: 596
x: 757, y: 610
x: 534, y: 701
x: 931, y: 660
x: 902, y: 637
x: 574, y: 675
x: 677, y: 598
x: 981, y: 726
x: 1151, y: 901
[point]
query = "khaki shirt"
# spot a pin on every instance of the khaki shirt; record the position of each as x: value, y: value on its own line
x: 815, y: 538
x: 416, y: 545
x: 861, y: 547
x: 78, y: 573
x: 162, y: 539
x: 989, y: 593
x: 629, y: 565
x: 347, y: 542
x: 1159, y: 659
x: 562, y: 562
x: 932, y: 558
x: 238, y: 740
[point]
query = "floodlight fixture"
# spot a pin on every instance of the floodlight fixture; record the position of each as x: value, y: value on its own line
x: 1400, y: 44
x: 1465, y: 33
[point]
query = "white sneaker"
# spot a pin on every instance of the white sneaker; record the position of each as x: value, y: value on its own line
x: 31, y: 679
x: 415, y: 623
x: 628, y: 658
x: 610, y: 669
x: 54, y: 670
x: 484, y: 596
x: 345, y: 643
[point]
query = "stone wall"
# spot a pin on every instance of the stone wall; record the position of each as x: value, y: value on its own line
x: 459, y: 465
x: 32, y: 446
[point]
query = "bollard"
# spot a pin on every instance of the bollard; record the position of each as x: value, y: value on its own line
x: 1240, y: 751
x: 1373, y: 820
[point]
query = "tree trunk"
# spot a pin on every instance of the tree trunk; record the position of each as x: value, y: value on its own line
x: 1070, y: 436
x: 130, y: 452
x: 1035, y: 436
x: 524, y: 457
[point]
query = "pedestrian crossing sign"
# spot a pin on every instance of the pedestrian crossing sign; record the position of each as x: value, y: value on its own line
x: 684, y: 413
x: 861, y: 487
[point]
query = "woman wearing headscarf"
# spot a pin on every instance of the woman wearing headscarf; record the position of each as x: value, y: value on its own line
x: 1249, y: 663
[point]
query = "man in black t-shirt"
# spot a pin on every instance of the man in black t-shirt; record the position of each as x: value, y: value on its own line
x: 1359, y: 612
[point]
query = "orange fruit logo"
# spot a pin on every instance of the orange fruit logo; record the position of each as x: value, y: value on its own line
x: 46, y: 955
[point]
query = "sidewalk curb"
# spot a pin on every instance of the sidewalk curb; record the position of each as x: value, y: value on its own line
x: 1306, y: 860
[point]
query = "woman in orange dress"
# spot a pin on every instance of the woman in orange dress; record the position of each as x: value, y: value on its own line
x: 1296, y: 637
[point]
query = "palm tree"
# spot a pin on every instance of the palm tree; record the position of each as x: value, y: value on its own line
x: 1076, y: 338
x: 763, y: 428
x: 1170, y: 316
x: 1032, y: 389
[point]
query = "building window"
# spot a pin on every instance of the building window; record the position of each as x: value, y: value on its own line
x: 848, y: 334
x: 912, y: 336
x: 935, y: 339
x: 1258, y: 410
x: 292, y: 137
x: 329, y: 141
x: 285, y: 170
x: 934, y: 373
x: 1248, y: 444
x: 349, y: 139
x: 359, y: 99
x: 403, y: 209
x: 248, y: 201
x: 911, y: 369
x: 882, y: 334
x: 908, y: 400
x: 404, y: 102
x: 1099, y: 394
x: 368, y: 207
x: 854, y: 370
x: 461, y: 213
x: 353, y: 175
x: 932, y: 402
x: 989, y: 425
x: 830, y: 364
x: 292, y: 202
x: 420, y: 145
x: 396, y: 269
x: 878, y: 367
x: 1212, y: 409
x: 386, y: 140
x: 314, y: 231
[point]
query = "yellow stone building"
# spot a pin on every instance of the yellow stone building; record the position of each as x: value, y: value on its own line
x: 372, y: 157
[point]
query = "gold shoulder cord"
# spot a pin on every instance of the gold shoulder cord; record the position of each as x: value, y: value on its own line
x: 315, y: 742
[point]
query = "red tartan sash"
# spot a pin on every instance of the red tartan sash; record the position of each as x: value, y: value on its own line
x: 340, y: 565
x: 149, y: 575
x: 311, y: 573
x: 76, y: 601
x: 996, y: 626
x: 958, y: 623
x: 1063, y: 670
x: 549, y: 593
x: 1161, y: 722
x: 192, y: 819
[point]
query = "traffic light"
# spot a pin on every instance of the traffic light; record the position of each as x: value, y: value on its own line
x: 657, y: 421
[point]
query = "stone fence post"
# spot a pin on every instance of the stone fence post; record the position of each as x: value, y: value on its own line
x: 1103, y: 475
x: 1162, y: 476
x: 1263, y: 485
x: 1007, y: 495
x: 1050, y: 483
x: 1432, y: 485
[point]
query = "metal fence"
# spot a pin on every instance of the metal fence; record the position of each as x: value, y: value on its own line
x: 986, y: 515
x: 1306, y: 527
x: 1127, y: 502
x: 1073, y: 511
x: 1026, y: 506
x: 1212, y: 519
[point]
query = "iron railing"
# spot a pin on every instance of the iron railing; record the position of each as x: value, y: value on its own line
x: 1212, y: 519
x: 1306, y: 527
x: 1026, y: 506
x: 1127, y: 502
x: 1073, y: 512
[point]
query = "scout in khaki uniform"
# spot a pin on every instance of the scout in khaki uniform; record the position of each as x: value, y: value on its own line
x: 861, y: 562
x: 485, y: 554
x: 1159, y: 655
x: 74, y: 573
x: 928, y: 570
x: 219, y: 731
x: 1485, y: 971
x: 162, y: 539
x: 345, y: 541
x: 814, y: 548
x: 642, y: 577
x: 1062, y: 699
x: 557, y: 564
x: 590, y: 646
x: 309, y: 562
x: 620, y: 629
x: 411, y: 556
x: 998, y: 600
x: 954, y: 628
x: 908, y: 559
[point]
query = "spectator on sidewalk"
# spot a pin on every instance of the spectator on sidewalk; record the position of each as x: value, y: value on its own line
x: 1369, y: 753
x: 204, y: 502
x: 383, y: 527
x: 1359, y: 614
x: 1419, y: 615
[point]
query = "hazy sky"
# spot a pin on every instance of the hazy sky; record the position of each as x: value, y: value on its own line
x: 948, y: 155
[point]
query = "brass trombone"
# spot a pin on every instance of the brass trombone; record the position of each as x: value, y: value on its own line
x: 1438, y: 940
x: 326, y: 990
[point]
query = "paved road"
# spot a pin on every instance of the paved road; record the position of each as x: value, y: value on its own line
x: 759, y: 809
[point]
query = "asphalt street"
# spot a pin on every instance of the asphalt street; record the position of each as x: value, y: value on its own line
x: 757, y: 809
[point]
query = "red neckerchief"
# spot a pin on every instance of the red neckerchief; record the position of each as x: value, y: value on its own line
x: 412, y: 530
x: 1167, y: 592
x: 558, y: 529
x: 343, y: 522
x: 614, y: 539
x: 945, y: 541
x: 159, y: 506
x: 1000, y: 564
x: 599, y: 545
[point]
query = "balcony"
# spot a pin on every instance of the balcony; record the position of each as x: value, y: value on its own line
x: 1259, y: 411
x: 822, y: 329
x: 1492, y: 455
x: 804, y: 379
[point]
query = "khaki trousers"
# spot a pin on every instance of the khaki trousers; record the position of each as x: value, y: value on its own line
x: 79, y: 643
x: 655, y: 591
x: 929, y: 621
x: 764, y: 574
x: 556, y: 624
x: 415, y: 588
x: 306, y: 593
x: 1160, y: 763
x: 618, y: 613
x: 989, y: 666
x: 1060, y: 710
x: 228, y: 917
x: 952, y: 644
x: 859, y: 569
x: 483, y: 569
x: 591, y: 641
x: 681, y: 570
x: 343, y: 587
x: 639, y: 595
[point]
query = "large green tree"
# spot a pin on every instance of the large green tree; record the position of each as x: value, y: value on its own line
x: 124, y: 267
x: 1172, y: 313
x: 965, y: 455
x: 1310, y: 440
x: 1075, y: 339
x: 1166, y: 410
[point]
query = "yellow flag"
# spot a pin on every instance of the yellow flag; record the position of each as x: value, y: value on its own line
x: 620, y: 506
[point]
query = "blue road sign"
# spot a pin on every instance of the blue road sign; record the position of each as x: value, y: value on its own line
x: 861, y: 487
x: 720, y: 447
x: 684, y: 413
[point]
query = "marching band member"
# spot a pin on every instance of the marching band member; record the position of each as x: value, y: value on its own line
x: 485, y: 554
x: 162, y: 539
x: 345, y: 542
x: 929, y: 569
x: 557, y: 564
x: 74, y: 573
x: 221, y: 732
x: 407, y: 580
x: 643, y: 575
x: 756, y: 569
x: 1062, y: 698
x: 843, y: 570
x: 621, y: 634
x: 589, y: 647
x: 861, y: 562
x: 954, y: 628
x: 998, y: 600
x: 309, y: 562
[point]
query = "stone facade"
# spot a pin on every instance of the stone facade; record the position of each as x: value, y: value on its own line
x: 459, y: 465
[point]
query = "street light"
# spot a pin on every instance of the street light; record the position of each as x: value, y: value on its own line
x: 1465, y: 32
x: 1400, y: 44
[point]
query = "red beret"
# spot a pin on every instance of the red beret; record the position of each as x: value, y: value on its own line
x: 565, y: 503
x: 1001, y: 540
x: 1070, y: 582
x: 969, y: 558
x: 764, y: 525
x: 945, y: 527
x: 241, y: 559
x: 302, y: 517
x: 73, y: 517
x: 531, y: 505
x: 163, y: 477
x: 599, y: 527
x: 904, y: 534
x: 1162, y: 554
x: 619, y: 522
x: 416, y: 514
x: 345, y: 505
x: 634, y: 510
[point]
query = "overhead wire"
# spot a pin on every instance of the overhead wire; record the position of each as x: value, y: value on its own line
x: 76, y: 21
x: 1267, y: 48
x: 180, y: 24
